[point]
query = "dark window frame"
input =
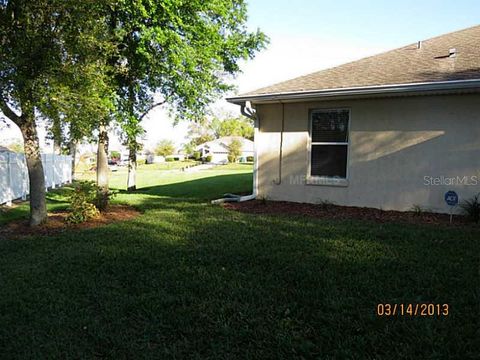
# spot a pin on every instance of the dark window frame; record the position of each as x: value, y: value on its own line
x: 328, y: 180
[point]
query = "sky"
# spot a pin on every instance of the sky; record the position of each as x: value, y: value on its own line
x: 307, y: 36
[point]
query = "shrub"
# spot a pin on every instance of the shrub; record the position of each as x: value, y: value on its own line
x: 324, y: 203
x: 417, y: 209
x: 197, y: 155
x: 231, y: 158
x: 208, y: 158
x: 471, y: 208
x: 169, y: 159
x: 82, y: 202
x: 115, y: 155
x: 263, y: 200
x: 249, y: 158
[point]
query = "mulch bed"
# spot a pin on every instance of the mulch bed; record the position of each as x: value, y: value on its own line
x: 56, y: 223
x: 345, y: 213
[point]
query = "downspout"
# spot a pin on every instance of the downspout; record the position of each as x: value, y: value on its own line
x: 280, y: 150
x: 251, y: 114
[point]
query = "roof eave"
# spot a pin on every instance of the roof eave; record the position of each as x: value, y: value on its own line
x: 394, y: 89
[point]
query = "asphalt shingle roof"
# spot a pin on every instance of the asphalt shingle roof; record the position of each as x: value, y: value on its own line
x: 432, y: 61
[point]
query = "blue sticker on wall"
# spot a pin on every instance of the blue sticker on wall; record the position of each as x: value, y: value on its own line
x: 451, y: 198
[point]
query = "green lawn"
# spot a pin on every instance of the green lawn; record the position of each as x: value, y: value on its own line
x: 188, y: 279
x: 167, y: 173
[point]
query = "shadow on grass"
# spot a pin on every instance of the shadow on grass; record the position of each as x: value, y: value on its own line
x: 56, y: 200
x: 192, y: 280
x: 206, y: 188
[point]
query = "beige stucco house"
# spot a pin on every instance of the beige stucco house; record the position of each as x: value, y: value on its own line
x: 389, y: 131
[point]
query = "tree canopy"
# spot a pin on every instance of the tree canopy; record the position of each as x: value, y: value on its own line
x: 86, y: 63
x: 210, y: 128
x: 51, y: 65
x: 235, y: 126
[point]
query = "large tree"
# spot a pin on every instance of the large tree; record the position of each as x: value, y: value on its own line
x: 179, y: 53
x: 210, y: 128
x: 60, y: 55
x: 233, y: 126
x: 47, y: 49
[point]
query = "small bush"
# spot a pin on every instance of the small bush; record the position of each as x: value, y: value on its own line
x: 323, y: 203
x: 208, y: 158
x: 197, y: 155
x: 263, y: 200
x: 170, y: 159
x: 82, y: 202
x: 249, y: 158
x: 231, y: 158
x: 471, y: 208
x: 417, y: 210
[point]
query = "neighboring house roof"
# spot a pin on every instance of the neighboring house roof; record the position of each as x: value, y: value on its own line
x: 221, y: 145
x: 453, y: 57
x: 4, y: 149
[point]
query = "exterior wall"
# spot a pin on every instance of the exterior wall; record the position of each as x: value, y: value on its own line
x: 222, y: 158
x: 219, y: 158
x: 399, y: 148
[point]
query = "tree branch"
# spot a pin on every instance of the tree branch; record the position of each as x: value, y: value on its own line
x: 151, y: 108
x: 9, y: 113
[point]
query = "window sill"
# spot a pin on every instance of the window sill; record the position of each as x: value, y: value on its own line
x: 325, y: 181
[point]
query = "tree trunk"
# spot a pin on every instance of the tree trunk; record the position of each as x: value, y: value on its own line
x: 36, y: 176
x: 57, y: 136
x: 102, y: 168
x: 72, y: 149
x: 57, y: 148
x: 132, y: 167
x: 132, y: 140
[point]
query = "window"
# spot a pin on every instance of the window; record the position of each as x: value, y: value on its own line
x: 329, y: 143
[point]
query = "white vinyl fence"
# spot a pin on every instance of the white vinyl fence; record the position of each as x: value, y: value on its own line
x: 14, y: 175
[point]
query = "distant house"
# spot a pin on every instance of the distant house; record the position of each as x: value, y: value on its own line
x: 388, y: 131
x: 175, y: 157
x: 218, y: 149
x: 153, y: 159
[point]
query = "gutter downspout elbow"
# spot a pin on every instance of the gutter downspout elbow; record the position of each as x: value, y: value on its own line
x: 250, y: 113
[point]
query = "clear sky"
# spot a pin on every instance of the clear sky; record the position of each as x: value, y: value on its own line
x: 308, y: 35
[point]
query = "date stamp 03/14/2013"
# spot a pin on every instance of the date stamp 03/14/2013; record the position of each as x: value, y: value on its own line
x: 420, y: 310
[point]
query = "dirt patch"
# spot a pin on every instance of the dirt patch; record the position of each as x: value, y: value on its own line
x: 346, y: 213
x: 56, y: 223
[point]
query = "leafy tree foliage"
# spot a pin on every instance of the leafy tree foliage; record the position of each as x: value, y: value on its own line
x: 15, y: 147
x: 179, y: 53
x: 239, y: 126
x: 115, y: 155
x: 209, y: 129
x: 49, y: 66
x: 234, y: 150
x: 200, y: 132
x: 165, y: 147
x: 80, y: 64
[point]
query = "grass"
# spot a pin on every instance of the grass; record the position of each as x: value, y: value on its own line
x: 188, y: 279
x: 167, y: 173
x: 56, y: 200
